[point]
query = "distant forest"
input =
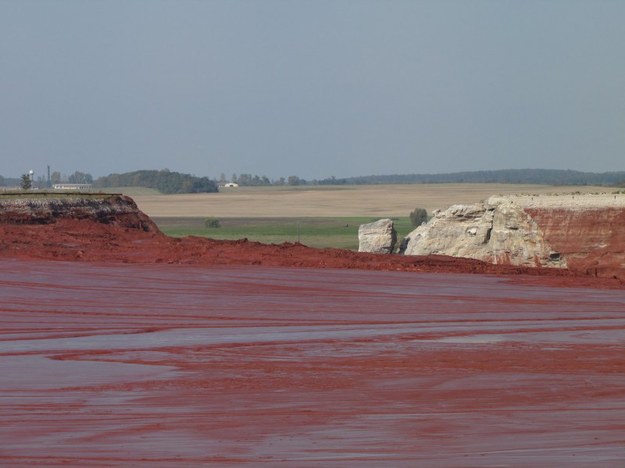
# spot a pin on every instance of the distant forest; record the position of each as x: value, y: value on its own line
x: 164, y: 181
x: 504, y: 176
x: 9, y: 182
x: 167, y: 181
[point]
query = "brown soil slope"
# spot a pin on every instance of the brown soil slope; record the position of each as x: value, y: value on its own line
x: 112, y: 228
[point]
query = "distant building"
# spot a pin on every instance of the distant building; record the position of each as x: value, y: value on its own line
x: 231, y: 185
x: 72, y: 186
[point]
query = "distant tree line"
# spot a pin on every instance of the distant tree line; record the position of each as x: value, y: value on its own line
x: 75, y: 178
x: 504, y: 176
x: 165, y: 181
x: 249, y: 180
x: 10, y: 181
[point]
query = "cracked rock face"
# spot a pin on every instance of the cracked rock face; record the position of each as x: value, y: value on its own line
x: 497, y: 231
x: 377, y: 237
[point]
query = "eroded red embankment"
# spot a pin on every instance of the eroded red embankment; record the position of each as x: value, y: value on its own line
x: 176, y: 365
x: 86, y: 240
x: 591, y: 240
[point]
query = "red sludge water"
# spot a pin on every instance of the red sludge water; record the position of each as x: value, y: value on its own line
x: 172, y: 365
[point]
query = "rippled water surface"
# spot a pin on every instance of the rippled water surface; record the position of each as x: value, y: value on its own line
x: 171, y: 365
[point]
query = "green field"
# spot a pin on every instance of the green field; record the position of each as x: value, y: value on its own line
x: 338, y: 232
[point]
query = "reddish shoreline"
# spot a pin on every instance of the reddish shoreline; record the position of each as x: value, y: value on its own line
x: 86, y: 240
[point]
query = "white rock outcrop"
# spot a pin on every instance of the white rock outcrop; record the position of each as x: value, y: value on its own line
x: 377, y: 237
x: 497, y: 231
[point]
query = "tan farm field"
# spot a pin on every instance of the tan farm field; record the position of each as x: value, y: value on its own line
x: 334, y: 201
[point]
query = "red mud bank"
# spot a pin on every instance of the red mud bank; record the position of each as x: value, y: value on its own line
x: 113, y: 229
x: 591, y: 240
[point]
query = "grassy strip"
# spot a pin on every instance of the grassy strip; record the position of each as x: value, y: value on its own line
x: 315, y: 232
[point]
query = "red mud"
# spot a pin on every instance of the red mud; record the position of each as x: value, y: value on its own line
x: 178, y: 365
x: 152, y: 351
x: 591, y: 240
x: 85, y: 240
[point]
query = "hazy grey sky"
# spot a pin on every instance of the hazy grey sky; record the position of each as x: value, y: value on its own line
x: 311, y: 88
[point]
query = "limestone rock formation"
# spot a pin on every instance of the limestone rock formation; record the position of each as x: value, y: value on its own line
x: 497, y: 231
x: 377, y: 237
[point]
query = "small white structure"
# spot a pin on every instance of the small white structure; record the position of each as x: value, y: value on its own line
x: 231, y: 185
x: 71, y: 186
